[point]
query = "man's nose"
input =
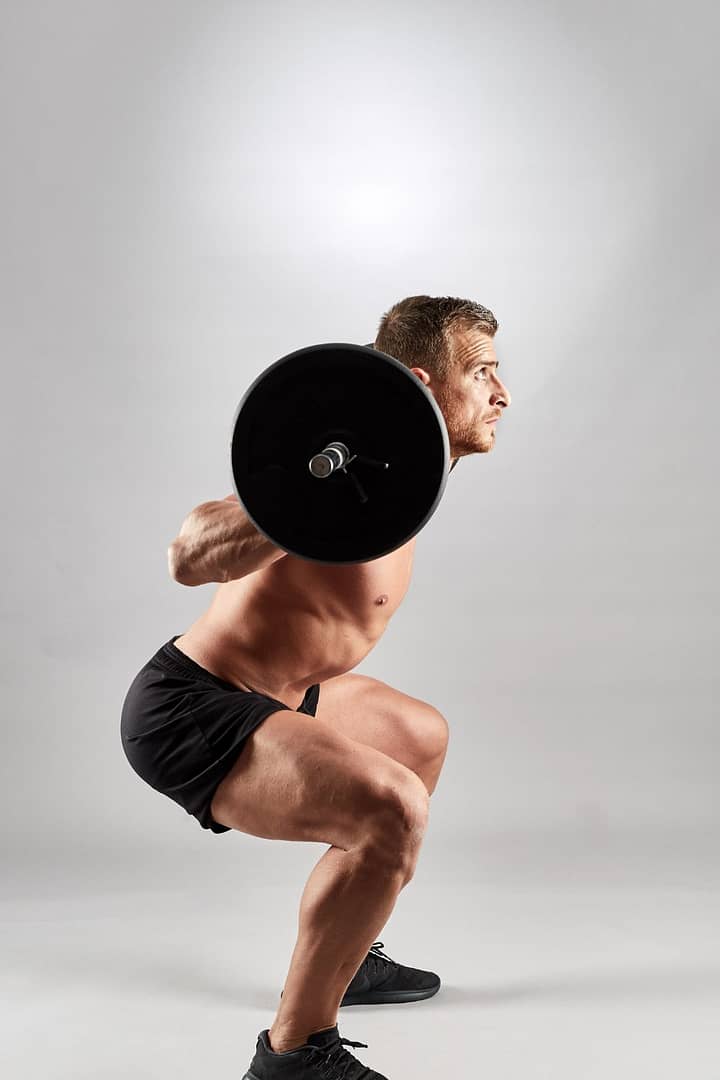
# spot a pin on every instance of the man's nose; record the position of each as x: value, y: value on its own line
x: 501, y: 395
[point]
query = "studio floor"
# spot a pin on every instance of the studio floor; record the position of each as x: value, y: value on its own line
x: 561, y: 958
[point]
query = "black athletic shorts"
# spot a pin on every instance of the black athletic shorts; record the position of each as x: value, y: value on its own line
x: 182, y: 728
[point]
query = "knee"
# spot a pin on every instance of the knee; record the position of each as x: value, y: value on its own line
x: 397, y: 828
x: 438, y: 731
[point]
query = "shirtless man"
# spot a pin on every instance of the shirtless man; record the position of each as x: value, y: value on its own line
x: 252, y: 719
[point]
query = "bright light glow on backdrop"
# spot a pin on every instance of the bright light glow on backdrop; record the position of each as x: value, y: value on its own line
x: 493, y: 151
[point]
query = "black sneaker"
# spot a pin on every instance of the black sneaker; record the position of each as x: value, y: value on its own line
x: 381, y: 981
x: 322, y: 1057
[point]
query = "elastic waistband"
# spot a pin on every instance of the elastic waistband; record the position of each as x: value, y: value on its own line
x: 169, y: 656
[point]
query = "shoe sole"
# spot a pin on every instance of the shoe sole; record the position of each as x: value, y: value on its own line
x: 388, y: 997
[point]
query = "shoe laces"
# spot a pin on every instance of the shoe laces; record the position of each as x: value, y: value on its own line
x: 337, y: 1064
x: 378, y: 962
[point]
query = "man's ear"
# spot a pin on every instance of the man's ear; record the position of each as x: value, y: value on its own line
x: 422, y: 375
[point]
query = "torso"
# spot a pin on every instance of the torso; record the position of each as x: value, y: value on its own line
x: 296, y: 622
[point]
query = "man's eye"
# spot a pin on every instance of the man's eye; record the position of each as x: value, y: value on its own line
x: 481, y: 371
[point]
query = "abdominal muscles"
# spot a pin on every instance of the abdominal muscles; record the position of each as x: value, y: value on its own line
x: 297, y: 622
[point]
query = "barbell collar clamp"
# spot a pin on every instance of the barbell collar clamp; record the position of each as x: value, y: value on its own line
x: 335, y: 456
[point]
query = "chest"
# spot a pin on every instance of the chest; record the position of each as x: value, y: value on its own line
x: 364, y: 589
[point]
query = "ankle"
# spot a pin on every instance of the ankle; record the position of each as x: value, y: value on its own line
x: 283, y: 1046
x: 282, y: 1042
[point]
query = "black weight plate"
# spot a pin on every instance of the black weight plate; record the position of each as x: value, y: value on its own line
x: 379, y: 409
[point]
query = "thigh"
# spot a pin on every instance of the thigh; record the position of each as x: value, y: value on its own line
x: 405, y: 728
x: 297, y: 779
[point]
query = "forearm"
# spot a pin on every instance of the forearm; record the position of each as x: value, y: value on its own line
x: 218, y: 542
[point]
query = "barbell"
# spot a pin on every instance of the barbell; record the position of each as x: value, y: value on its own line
x: 339, y: 453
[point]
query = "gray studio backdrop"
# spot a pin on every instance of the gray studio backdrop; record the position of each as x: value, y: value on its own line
x: 190, y: 191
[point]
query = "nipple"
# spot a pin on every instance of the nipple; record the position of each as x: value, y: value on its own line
x: 382, y: 599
